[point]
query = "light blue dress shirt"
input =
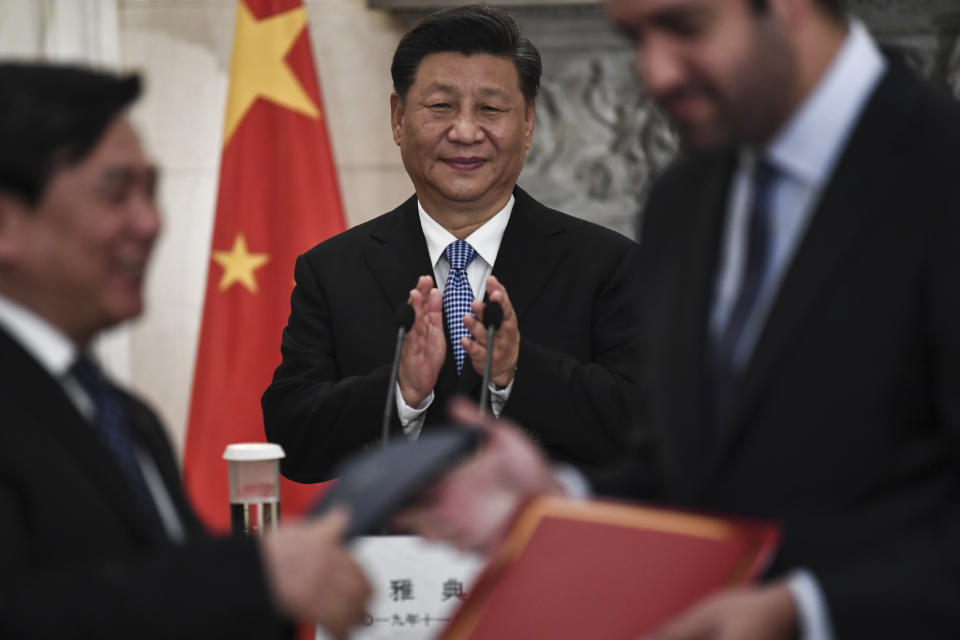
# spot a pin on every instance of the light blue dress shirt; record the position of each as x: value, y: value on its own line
x: 804, y: 152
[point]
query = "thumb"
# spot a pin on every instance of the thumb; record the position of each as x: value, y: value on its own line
x: 466, y: 412
x: 334, y: 524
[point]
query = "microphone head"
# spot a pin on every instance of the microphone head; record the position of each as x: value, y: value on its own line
x: 403, y: 316
x: 493, y: 315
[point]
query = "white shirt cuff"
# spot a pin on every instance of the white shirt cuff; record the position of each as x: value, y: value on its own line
x: 411, y: 418
x: 812, y: 611
x: 499, y: 397
x: 574, y: 483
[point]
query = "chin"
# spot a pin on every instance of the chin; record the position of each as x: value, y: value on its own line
x: 465, y: 196
x: 127, y: 310
x: 706, y: 139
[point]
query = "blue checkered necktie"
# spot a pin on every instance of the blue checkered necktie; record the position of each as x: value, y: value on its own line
x: 726, y: 368
x: 113, y: 428
x: 457, y: 295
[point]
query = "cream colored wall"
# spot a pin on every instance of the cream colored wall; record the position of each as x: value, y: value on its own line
x: 182, y: 47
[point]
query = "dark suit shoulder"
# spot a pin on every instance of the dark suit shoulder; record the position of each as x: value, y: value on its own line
x: 684, y: 190
x: 582, y: 231
x: 689, y: 168
x: 378, y: 227
x: 915, y: 111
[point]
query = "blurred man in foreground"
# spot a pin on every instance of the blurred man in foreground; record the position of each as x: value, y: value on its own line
x: 96, y: 538
x: 801, y: 322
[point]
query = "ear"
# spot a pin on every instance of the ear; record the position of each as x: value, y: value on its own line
x: 13, y: 212
x: 396, y: 116
x: 529, y: 122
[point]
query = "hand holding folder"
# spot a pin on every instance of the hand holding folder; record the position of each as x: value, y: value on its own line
x: 591, y: 569
x: 560, y: 568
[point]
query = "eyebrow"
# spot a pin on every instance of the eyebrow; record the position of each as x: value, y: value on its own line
x: 446, y: 88
x: 126, y: 172
x: 123, y: 175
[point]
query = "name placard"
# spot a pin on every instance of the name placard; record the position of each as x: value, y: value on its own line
x: 417, y: 585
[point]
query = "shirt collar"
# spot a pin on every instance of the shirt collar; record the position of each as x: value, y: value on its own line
x: 485, y: 240
x: 48, y: 345
x: 807, y: 147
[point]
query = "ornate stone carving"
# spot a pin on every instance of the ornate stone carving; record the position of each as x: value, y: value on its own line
x: 598, y: 140
x: 953, y: 69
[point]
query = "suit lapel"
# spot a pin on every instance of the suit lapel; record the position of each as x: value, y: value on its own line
x: 865, y: 182
x: 692, y: 296
x: 397, y: 252
x: 151, y: 436
x: 533, y: 245
x: 397, y: 256
x: 55, y: 412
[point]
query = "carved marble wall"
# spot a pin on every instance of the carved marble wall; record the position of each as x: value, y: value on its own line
x: 599, y: 140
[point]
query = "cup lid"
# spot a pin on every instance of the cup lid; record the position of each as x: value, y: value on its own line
x: 240, y: 451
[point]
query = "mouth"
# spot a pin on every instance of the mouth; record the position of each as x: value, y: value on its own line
x: 687, y: 105
x: 463, y: 163
x: 688, y: 110
x: 132, y: 267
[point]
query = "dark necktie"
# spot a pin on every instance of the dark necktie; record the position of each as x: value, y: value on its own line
x: 457, y: 295
x: 725, y: 372
x: 113, y: 429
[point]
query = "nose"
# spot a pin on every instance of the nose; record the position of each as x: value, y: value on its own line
x: 465, y: 129
x: 659, y: 66
x: 145, y: 223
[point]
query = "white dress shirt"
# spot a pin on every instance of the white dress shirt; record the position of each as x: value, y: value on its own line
x: 56, y: 353
x: 485, y: 240
x: 805, y: 152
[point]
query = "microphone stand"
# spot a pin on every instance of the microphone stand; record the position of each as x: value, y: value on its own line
x: 404, y: 317
x: 492, y: 318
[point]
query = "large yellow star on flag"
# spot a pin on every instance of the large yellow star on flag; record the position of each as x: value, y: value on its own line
x: 258, y: 68
x: 239, y: 264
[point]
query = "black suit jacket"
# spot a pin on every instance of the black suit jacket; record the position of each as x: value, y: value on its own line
x: 78, y: 558
x: 846, y: 425
x: 571, y: 283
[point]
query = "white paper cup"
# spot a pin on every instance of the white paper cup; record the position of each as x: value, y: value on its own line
x: 254, y: 472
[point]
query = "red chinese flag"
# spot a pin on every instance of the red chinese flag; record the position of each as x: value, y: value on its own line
x: 277, y: 197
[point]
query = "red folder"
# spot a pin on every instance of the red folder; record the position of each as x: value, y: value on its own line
x: 591, y: 569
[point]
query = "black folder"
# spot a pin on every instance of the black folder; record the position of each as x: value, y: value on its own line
x: 378, y: 483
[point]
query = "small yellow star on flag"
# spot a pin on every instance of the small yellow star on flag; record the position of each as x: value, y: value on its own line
x: 258, y: 68
x: 239, y: 264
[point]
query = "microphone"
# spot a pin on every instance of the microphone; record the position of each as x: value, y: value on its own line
x: 492, y: 319
x: 403, y: 317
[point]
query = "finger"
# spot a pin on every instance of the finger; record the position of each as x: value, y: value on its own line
x: 479, y: 310
x: 357, y: 583
x: 476, y: 329
x: 498, y: 293
x: 337, y: 631
x: 434, y: 300
x: 692, y: 625
x: 422, y: 307
x: 406, y: 520
x: 334, y: 524
x: 415, y: 299
x: 419, y: 296
x: 476, y: 351
x: 466, y: 411
x: 424, y: 284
